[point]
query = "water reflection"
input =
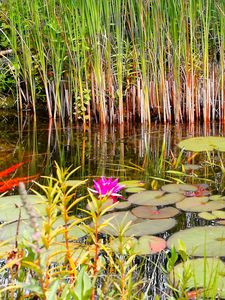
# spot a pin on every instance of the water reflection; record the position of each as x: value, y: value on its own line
x: 98, y: 150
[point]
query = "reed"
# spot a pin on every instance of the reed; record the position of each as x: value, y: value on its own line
x: 119, y: 60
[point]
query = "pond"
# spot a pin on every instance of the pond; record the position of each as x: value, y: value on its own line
x: 125, y: 152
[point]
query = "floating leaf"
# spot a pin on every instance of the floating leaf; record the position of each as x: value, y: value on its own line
x: 10, y: 213
x: 179, y: 188
x: 219, y: 214
x: 122, y: 205
x: 132, y: 183
x: 216, y: 197
x: 199, y: 144
x: 145, y: 245
x: 151, y: 212
x: 155, y: 198
x: 16, y: 199
x: 145, y: 197
x: 200, y: 241
x: 149, y: 245
x: 8, y: 231
x: 206, y: 274
x: 199, y: 204
x: 10, y: 207
x: 137, y: 227
x: 206, y: 216
x: 132, y: 190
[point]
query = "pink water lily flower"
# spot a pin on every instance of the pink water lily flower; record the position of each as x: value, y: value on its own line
x: 107, y: 187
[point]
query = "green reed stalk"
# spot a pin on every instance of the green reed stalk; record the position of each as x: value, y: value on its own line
x: 120, y: 60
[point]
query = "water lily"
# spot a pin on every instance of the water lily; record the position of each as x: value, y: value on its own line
x: 108, y: 187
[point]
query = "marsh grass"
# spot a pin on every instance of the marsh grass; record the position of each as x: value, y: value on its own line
x: 119, y: 60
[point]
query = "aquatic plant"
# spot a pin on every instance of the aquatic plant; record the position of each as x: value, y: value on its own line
x: 44, y: 254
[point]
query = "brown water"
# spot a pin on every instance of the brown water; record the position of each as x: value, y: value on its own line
x: 125, y: 152
x: 99, y: 151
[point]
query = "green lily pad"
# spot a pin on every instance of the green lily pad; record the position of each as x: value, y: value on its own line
x: 8, y: 231
x: 145, y: 245
x: 206, y: 274
x: 206, y: 216
x: 151, y: 212
x: 219, y: 214
x: 200, y: 241
x: 199, y: 144
x: 179, y: 188
x: 155, y: 198
x: 145, y: 197
x: 199, y: 204
x: 137, y: 227
x: 10, y: 207
x: 132, y: 183
x: 133, y: 190
x: 10, y: 213
x: 16, y: 200
x: 216, y: 197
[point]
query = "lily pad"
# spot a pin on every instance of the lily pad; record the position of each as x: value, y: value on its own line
x: 8, y: 231
x: 200, y: 241
x: 133, y: 190
x: 206, y: 216
x: 179, y: 188
x: 145, y: 245
x: 132, y: 183
x: 199, y: 204
x: 16, y: 200
x: 199, y: 144
x: 216, y: 197
x: 10, y: 213
x: 155, y: 198
x: 151, y: 212
x: 219, y: 214
x: 145, y: 197
x: 206, y: 274
x: 137, y: 227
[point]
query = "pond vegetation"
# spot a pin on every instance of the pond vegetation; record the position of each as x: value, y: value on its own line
x: 115, y: 61
x: 112, y: 211
x: 59, y: 241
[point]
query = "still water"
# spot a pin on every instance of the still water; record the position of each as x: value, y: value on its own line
x: 109, y: 151
x: 124, y: 151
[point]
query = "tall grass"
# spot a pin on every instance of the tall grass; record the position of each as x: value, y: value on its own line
x: 119, y: 60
